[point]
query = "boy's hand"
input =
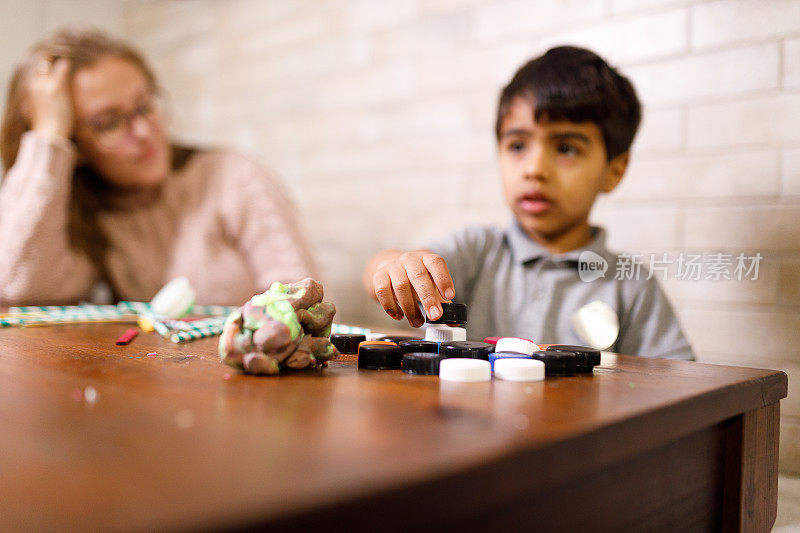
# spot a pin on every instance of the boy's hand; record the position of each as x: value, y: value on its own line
x: 407, y: 277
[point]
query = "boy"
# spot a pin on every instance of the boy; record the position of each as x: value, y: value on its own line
x: 564, y: 128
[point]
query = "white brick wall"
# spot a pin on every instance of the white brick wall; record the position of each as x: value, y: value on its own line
x: 380, y: 114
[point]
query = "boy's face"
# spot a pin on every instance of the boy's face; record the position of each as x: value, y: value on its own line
x: 552, y: 172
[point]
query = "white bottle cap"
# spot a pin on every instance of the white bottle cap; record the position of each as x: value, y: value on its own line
x: 174, y: 299
x: 437, y: 333
x: 514, y: 344
x: 467, y: 370
x: 519, y: 369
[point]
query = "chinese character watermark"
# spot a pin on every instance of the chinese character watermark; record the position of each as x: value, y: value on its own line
x: 684, y: 266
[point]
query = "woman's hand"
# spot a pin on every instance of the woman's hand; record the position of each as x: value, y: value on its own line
x: 50, y: 104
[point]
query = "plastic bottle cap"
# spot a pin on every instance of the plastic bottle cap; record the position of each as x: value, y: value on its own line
x: 347, y: 343
x: 397, y: 338
x: 493, y: 357
x: 376, y: 355
x: 558, y: 363
x: 467, y: 370
x: 418, y: 346
x: 588, y: 358
x: 466, y: 350
x: 515, y: 344
x: 452, y: 313
x: 491, y: 340
x: 424, y: 363
x: 515, y: 369
x: 174, y: 300
x: 445, y: 334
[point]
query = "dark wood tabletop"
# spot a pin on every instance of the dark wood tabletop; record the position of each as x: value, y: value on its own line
x: 99, y: 436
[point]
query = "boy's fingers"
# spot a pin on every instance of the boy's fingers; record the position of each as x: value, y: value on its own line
x: 404, y: 294
x: 382, y: 285
x: 423, y: 285
x: 440, y: 274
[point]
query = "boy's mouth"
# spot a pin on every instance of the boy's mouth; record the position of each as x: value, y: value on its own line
x: 534, y: 203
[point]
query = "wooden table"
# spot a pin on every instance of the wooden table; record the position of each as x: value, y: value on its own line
x: 181, y: 441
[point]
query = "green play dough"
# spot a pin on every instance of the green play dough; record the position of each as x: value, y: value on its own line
x: 276, y: 305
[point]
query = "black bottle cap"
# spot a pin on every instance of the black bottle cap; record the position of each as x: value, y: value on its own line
x: 418, y: 345
x: 588, y: 358
x: 379, y: 356
x: 557, y: 363
x: 466, y: 350
x: 398, y: 338
x: 347, y: 343
x: 452, y: 313
x: 424, y: 363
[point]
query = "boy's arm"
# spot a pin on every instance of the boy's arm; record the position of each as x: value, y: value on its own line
x: 398, y: 280
x: 651, y: 328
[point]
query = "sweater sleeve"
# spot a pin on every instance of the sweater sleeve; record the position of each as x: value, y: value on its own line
x: 37, y: 264
x: 264, y: 222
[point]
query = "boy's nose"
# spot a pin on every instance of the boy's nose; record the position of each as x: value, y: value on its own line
x: 140, y: 127
x: 536, y: 165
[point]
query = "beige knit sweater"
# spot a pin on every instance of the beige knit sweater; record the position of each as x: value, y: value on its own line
x: 219, y: 220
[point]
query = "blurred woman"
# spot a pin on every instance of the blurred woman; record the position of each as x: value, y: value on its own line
x: 95, y: 192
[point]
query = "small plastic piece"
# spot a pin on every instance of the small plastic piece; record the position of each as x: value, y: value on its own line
x: 494, y: 357
x: 347, y: 343
x: 588, y: 358
x: 421, y: 363
x: 127, y: 337
x: 397, y: 338
x: 174, y: 300
x: 465, y: 370
x: 377, y: 355
x: 466, y: 350
x: 438, y: 333
x: 491, y: 340
x: 515, y: 369
x: 516, y: 344
x: 452, y: 313
x: 418, y: 345
x: 557, y: 363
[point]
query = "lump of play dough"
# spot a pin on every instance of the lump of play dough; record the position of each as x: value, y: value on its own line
x: 286, y: 327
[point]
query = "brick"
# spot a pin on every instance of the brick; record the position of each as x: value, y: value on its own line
x: 366, y: 15
x: 709, y: 75
x: 629, y: 39
x: 629, y: 6
x: 441, y: 35
x: 731, y: 175
x: 660, y: 130
x: 503, y: 19
x: 481, y: 68
x: 763, y: 120
x: 380, y: 85
x: 639, y: 227
x: 100, y: 13
x: 762, y: 290
x: 739, y: 332
x: 729, y: 21
x: 791, y: 171
x: 741, y: 229
x: 790, y: 282
x: 791, y: 62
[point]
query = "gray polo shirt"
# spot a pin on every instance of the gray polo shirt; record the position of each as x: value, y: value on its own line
x: 514, y: 287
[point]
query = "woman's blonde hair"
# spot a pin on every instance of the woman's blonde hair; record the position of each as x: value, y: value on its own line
x: 82, y: 47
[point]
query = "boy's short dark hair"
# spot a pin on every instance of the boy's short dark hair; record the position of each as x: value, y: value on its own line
x: 575, y: 84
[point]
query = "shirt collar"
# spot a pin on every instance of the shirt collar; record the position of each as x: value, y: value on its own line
x: 524, y: 249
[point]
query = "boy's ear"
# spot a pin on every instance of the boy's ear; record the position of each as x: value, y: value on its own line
x: 616, y: 169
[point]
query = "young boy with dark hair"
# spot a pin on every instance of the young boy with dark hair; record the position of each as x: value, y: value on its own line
x: 565, y: 124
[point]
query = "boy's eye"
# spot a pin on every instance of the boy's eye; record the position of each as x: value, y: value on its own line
x: 516, y: 146
x: 567, y: 149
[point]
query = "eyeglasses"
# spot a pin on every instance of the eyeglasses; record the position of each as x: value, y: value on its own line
x: 110, y: 130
